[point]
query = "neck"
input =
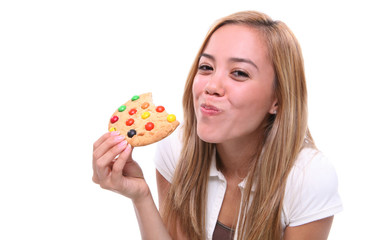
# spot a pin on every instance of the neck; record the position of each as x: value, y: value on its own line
x: 236, y: 158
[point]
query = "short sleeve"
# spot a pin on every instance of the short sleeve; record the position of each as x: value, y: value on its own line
x: 312, y: 190
x: 167, y: 154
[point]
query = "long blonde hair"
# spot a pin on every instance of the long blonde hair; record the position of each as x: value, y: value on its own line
x: 285, y: 134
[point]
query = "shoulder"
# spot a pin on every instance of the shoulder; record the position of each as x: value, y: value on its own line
x: 168, y: 153
x: 312, y: 168
x: 312, y: 189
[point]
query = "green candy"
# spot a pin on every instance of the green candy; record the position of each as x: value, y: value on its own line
x: 122, y: 108
x: 136, y: 97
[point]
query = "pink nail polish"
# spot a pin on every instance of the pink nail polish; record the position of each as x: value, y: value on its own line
x: 115, y: 133
x: 119, y: 138
x: 122, y: 144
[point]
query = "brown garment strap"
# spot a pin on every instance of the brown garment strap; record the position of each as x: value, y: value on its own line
x: 222, y: 232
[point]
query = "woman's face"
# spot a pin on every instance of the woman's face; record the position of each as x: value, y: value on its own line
x: 233, y: 87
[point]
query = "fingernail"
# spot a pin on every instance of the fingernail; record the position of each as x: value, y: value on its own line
x: 122, y: 144
x: 115, y: 133
x: 119, y: 138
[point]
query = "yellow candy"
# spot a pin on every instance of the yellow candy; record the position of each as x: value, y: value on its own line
x: 112, y: 129
x: 145, y: 115
x: 171, y: 118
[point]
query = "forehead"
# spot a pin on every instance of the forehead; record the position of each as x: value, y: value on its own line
x: 234, y: 40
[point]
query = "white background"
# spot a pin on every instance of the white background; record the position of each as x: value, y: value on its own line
x: 65, y: 66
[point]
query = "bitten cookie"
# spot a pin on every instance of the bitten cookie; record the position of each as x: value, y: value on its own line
x: 141, y: 122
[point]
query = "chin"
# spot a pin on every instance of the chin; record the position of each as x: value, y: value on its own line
x: 208, y: 135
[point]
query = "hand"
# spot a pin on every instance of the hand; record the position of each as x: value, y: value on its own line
x: 115, y: 170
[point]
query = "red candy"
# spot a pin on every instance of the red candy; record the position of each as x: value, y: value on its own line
x: 114, y: 119
x: 160, y: 109
x: 132, y: 111
x: 129, y: 122
x: 149, y: 126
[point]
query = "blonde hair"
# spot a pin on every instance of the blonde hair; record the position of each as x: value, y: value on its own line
x: 285, y: 134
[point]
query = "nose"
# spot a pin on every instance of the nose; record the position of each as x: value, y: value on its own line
x: 215, y: 85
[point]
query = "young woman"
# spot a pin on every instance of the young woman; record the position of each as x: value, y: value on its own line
x: 243, y: 165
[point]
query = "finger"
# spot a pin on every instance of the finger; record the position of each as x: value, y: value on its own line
x: 103, y: 138
x: 94, y: 158
x: 106, y: 145
x: 132, y: 169
x: 104, y: 164
x: 119, y: 165
x: 102, y: 145
x: 109, y: 157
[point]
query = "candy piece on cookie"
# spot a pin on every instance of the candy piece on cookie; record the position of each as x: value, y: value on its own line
x: 141, y: 122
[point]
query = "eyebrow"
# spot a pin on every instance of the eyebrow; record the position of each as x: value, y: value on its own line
x: 234, y: 59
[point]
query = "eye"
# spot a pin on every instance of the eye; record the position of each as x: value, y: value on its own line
x: 240, y: 74
x: 205, y: 67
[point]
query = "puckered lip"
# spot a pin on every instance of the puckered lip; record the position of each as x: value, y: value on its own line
x: 209, y: 109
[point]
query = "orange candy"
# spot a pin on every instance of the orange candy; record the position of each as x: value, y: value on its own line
x: 145, y: 105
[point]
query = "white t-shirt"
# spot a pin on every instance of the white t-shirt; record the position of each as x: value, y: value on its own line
x: 311, y: 191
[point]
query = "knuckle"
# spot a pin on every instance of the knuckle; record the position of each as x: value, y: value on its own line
x: 117, y: 170
x: 103, y: 185
x: 99, y: 164
x: 95, y: 179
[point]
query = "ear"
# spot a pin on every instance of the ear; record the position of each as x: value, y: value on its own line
x: 274, y: 107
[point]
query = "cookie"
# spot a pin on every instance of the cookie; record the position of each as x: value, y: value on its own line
x: 141, y: 122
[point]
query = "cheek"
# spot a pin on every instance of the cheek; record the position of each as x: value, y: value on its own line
x: 198, y: 87
x: 252, y: 102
